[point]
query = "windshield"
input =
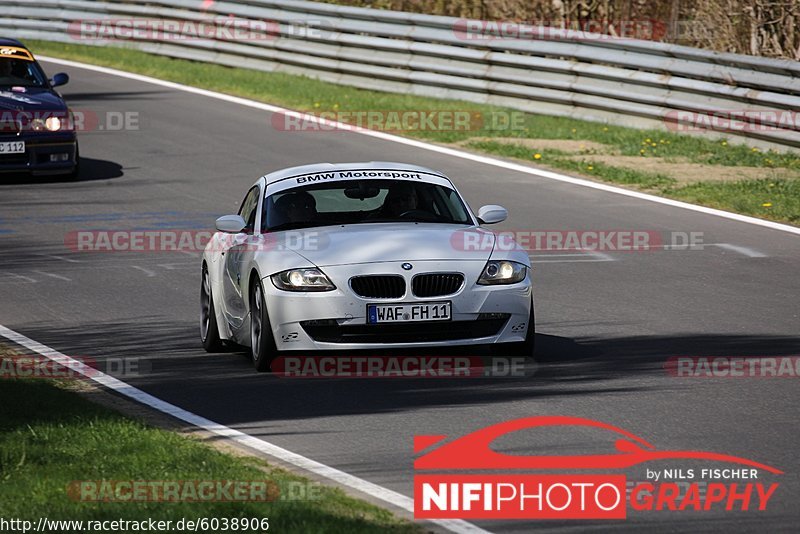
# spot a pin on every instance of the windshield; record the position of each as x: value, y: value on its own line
x: 363, y: 201
x: 18, y: 72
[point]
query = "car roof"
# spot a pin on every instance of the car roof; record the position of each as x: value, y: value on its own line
x: 330, y: 167
x: 7, y: 41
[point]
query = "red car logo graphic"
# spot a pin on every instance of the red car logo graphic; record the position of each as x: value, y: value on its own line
x: 473, y: 450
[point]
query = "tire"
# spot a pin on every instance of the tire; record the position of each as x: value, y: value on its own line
x: 209, y: 331
x: 75, y: 173
x: 262, y: 344
x: 522, y: 348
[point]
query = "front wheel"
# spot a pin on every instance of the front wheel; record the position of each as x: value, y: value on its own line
x: 75, y: 173
x: 262, y: 344
x: 522, y: 348
x: 209, y: 332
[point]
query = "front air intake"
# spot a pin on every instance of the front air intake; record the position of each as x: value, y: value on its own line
x: 436, y: 284
x: 379, y: 286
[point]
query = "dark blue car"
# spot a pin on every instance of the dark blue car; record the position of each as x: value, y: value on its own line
x: 37, y: 129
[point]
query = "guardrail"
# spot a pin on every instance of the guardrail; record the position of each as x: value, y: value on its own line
x: 629, y: 82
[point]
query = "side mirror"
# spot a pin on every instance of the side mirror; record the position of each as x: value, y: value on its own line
x: 62, y: 78
x: 230, y: 224
x: 492, y: 214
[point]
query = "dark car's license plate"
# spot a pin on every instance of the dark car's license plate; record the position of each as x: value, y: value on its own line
x: 12, y: 147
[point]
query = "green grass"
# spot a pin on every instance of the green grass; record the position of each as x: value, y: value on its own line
x: 558, y: 159
x: 306, y: 94
x: 50, y: 437
x: 769, y: 199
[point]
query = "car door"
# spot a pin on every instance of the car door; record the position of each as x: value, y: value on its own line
x: 235, y: 258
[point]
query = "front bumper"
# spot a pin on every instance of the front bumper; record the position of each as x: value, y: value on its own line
x: 40, y: 151
x: 336, y: 320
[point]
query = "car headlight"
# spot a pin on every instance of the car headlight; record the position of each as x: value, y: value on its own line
x: 37, y: 125
x: 302, y: 280
x: 502, y: 272
x: 53, y: 124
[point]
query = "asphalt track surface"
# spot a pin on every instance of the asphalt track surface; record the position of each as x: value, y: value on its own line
x: 606, y: 323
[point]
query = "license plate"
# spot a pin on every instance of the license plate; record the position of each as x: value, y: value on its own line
x: 408, y: 313
x: 12, y: 147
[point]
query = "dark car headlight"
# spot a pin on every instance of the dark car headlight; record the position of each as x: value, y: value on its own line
x: 50, y: 124
x: 302, y: 280
x: 53, y: 124
x: 502, y: 272
x: 37, y: 125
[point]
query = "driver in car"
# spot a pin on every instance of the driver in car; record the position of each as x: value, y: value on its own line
x: 296, y: 207
x: 402, y: 197
x: 14, y: 70
x: 5, y: 68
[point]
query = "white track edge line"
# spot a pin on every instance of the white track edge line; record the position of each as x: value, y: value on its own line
x: 392, y: 497
x: 433, y: 148
x: 746, y: 251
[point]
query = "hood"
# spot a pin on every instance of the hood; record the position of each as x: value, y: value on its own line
x: 33, y: 99
x: 380, y: 242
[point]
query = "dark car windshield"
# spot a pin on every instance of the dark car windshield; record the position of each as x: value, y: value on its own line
x: 20, y: 72
x: 363, y: 201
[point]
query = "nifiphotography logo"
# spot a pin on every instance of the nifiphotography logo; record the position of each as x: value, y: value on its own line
x: 721, y: 482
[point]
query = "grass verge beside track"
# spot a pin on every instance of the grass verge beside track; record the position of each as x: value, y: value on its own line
x: 713, y: 173
x: 51, y: 436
